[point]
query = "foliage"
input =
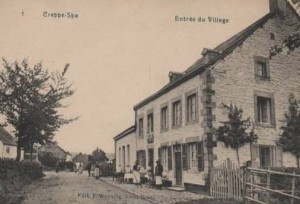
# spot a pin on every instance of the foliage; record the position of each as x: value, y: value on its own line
x: 234, y: 132
x: 106, y: 169
x: 47, y: 159
x: 30, y: 98
x: 98, y: 155
x: 289, y: 44
x: 282, y: 183
x: 290, y: 137
x: 14, y: 175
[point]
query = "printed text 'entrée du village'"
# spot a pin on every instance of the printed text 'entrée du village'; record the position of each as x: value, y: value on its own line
x: 208, y: 19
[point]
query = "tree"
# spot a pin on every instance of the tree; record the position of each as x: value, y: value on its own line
x: 98, y: 155
x: 234, y: 132
x: 30, y: 98
x: 290, y: 137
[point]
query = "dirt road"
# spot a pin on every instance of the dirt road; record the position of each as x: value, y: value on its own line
x: 69, y: 187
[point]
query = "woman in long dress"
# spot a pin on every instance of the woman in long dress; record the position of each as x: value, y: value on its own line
x: 158, y: 175
x: 136, y: 173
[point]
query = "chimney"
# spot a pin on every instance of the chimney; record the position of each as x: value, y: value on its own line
x: 277, y: 5
x: 173, y: 76
x: 209, y: 54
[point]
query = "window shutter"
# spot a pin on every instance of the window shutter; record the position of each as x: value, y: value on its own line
x: 180, y: 111
x: 170, y: 157
x: 143, y: 155
x: 200, y: 156
x: 278, y: 156
x: 184, y: 157
x: 159, y: 153
x: 273, y: 118
x: 255, y: 155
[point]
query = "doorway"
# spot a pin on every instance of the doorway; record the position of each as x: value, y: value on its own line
x: 178, y: 166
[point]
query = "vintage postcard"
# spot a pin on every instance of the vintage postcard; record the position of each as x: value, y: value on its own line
x: 161, y: 101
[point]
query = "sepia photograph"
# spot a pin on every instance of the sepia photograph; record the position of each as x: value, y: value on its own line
x: 150, y: 102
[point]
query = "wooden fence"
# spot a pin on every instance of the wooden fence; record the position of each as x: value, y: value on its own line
x: 227, y: 181
x: 259, y: 187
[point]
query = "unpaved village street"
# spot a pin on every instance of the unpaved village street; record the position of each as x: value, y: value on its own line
x: 70, y: 187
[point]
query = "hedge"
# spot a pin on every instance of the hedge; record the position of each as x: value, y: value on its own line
x: 14, y: 175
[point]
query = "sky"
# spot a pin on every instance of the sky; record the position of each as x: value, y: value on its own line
x: 120, y: 52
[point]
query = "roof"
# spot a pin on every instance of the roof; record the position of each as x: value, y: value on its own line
x: 125, y: 132
x: 223, y: 49
x: 7, y: 138
x: 52, y: 145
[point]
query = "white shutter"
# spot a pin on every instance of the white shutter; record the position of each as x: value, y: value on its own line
x: 278, y: 156
x: 254, y: 148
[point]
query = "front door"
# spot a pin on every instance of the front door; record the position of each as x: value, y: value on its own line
x: 178, y: 168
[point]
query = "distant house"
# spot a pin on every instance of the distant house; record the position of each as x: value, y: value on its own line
x: 55, y: 151
x: 8, y: 145
x: 125, y: 149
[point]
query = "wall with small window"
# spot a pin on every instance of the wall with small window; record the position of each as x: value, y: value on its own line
x: 8, y: 151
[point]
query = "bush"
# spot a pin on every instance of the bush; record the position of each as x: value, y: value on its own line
x: 282, y: 183
x: 14, y: 175
x: 47, y: 159
x: 106, y: 169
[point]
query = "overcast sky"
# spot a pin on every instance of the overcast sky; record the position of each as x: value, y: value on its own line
x: 120, y: 52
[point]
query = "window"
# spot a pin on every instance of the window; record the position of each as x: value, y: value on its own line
x: 128, y: 154
x: 141, y: 127
x: 264, y: 109
x: 141, y: 157
x: 193, y: 155
x: 262, y: 67
x: 120, y: 156
x: 264, y: 106
x: 265, y: 156
x: 164, y: 157
x: 164, y: 118
x: 191, y: 108
x: 7, y: 150
x: 150, y: 123
x: 176, y: 113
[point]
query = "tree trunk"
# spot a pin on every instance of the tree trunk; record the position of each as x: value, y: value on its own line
x: 31, y: 149
x: 298, y: 165
x: 238, y: 156
x: 18, y: 152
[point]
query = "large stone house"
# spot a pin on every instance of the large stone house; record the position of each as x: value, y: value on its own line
x: 125, y: 149
x: 173, y: 124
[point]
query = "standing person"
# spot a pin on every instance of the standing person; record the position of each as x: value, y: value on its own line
x: 80, y: 168
x: 158, y: 174
x: 57, y: 166
x: 89, y: 167
x: 136, y: 173
x: 97, y: 171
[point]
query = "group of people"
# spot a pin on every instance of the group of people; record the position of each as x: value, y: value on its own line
x: 95, y: 168
x: 157, y: 173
